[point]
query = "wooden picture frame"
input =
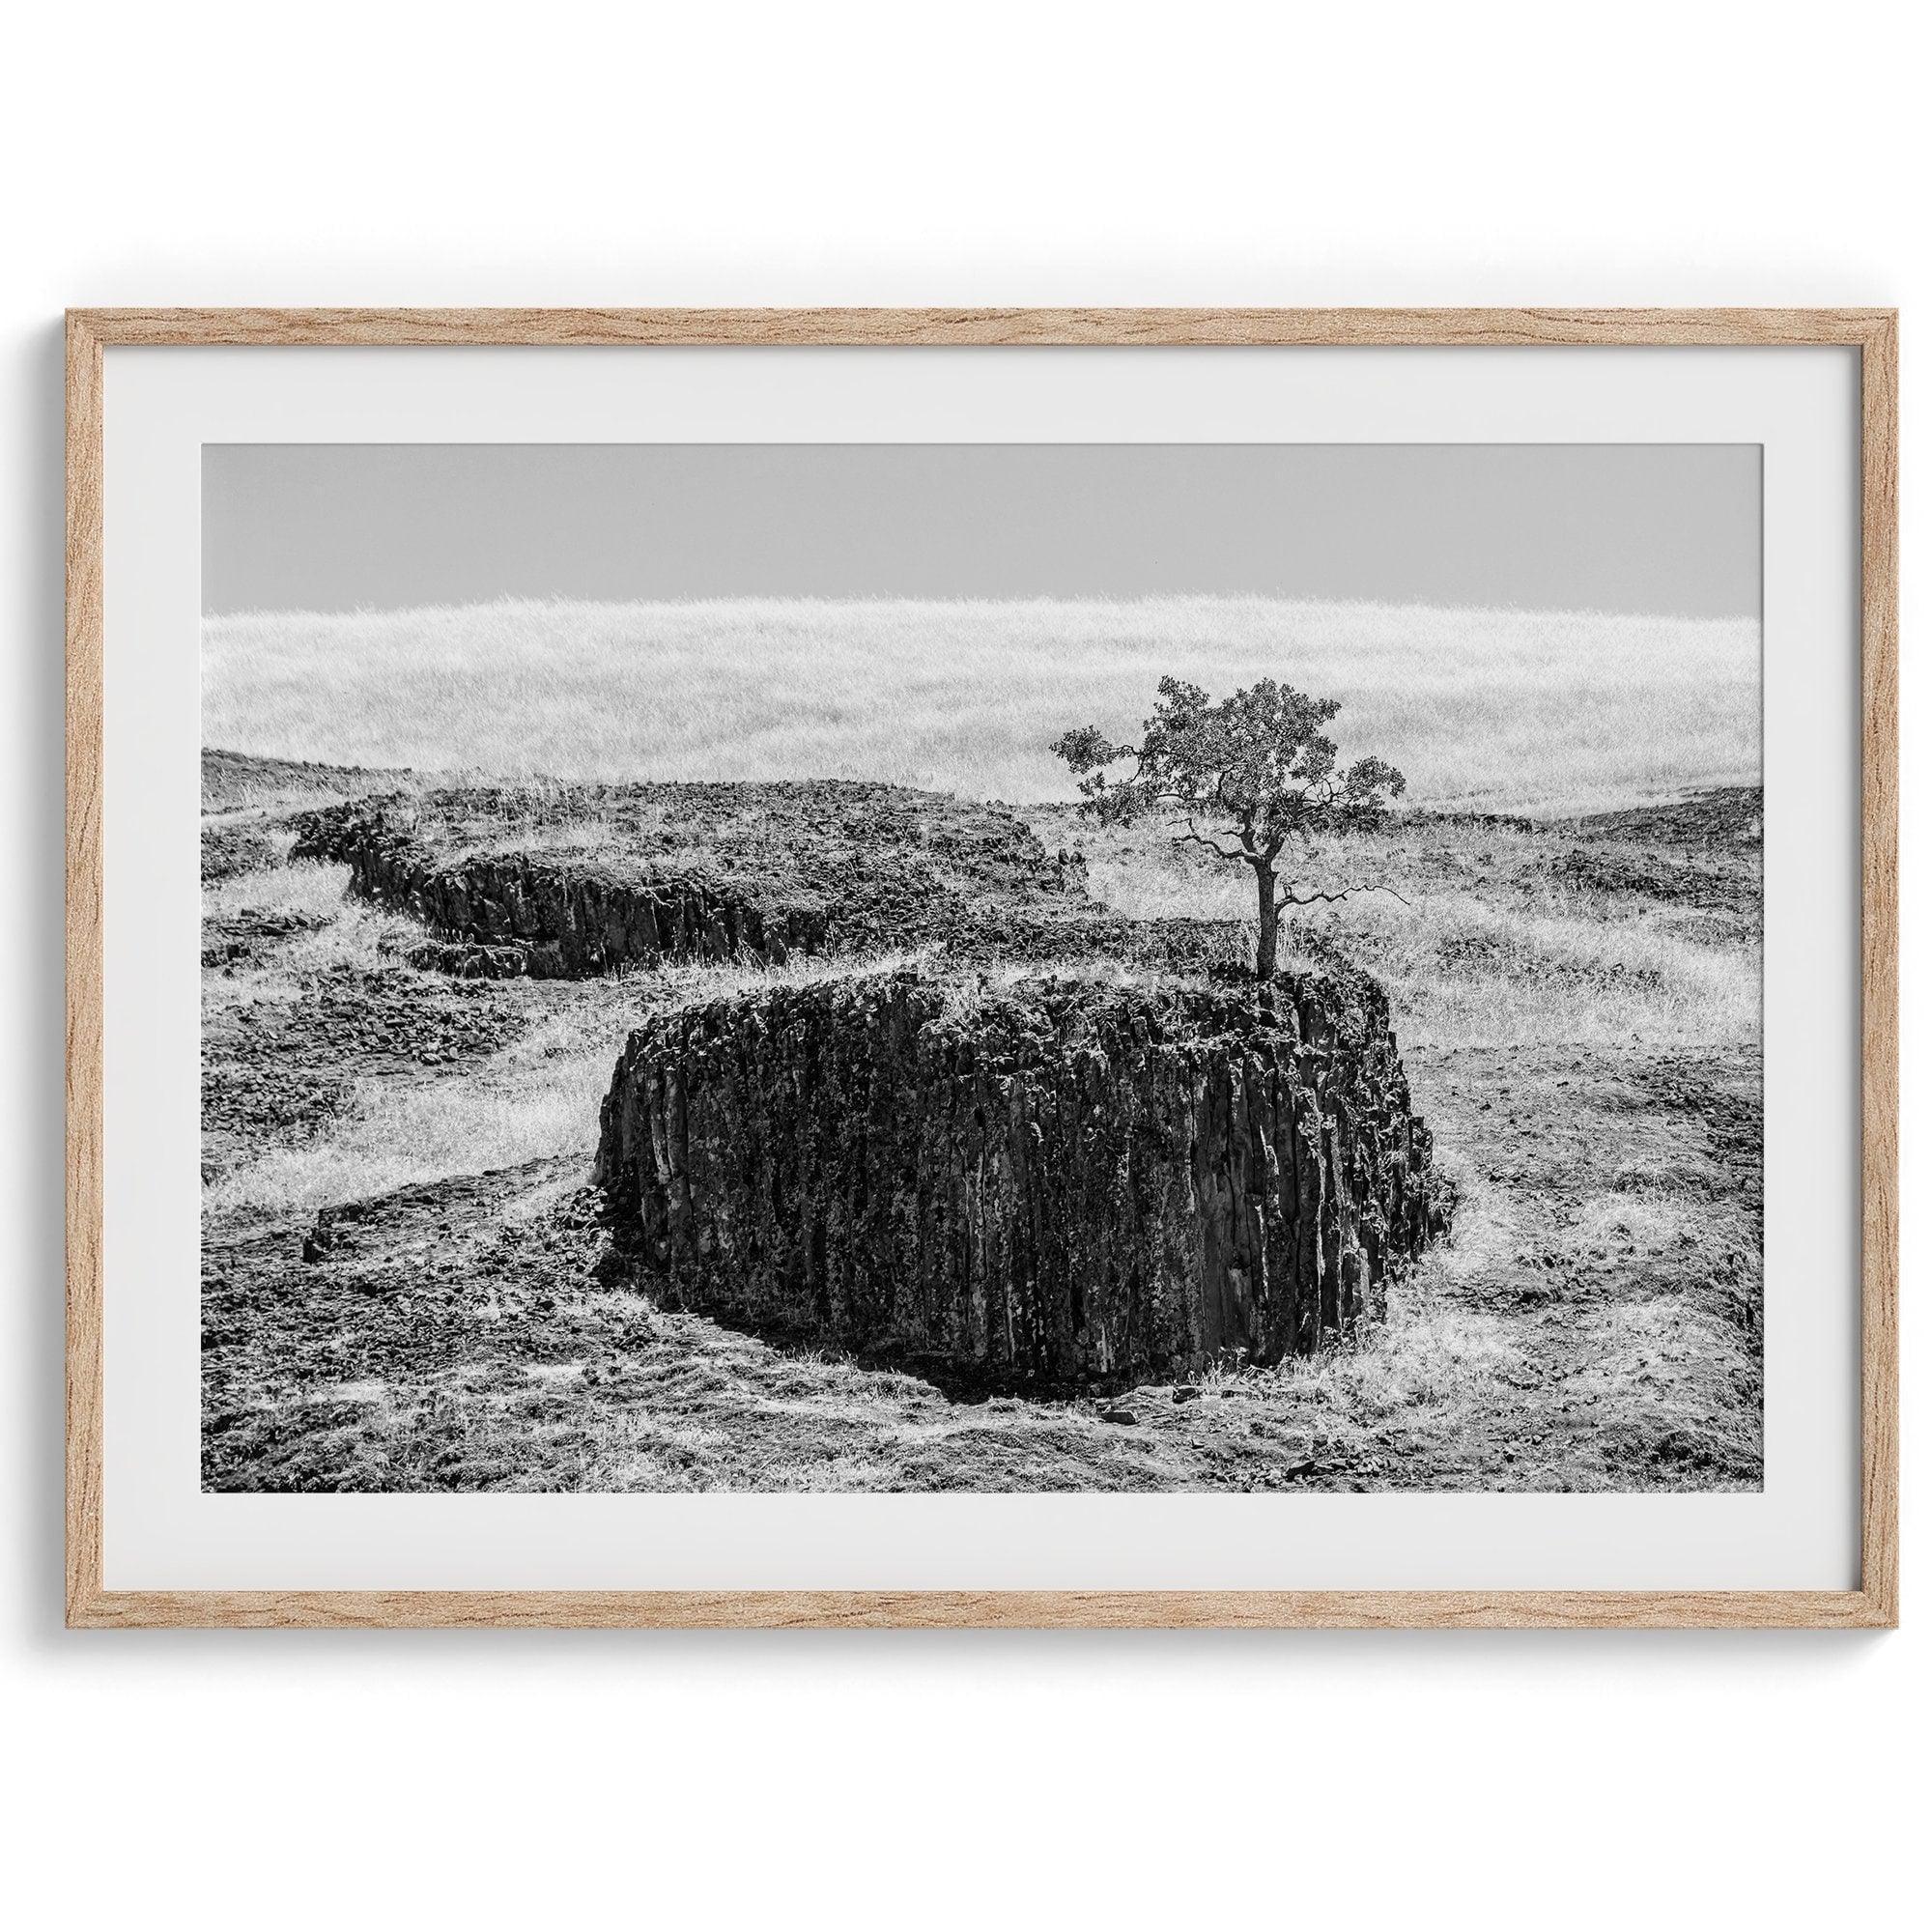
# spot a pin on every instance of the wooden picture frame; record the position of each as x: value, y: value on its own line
x: 1871, y: 333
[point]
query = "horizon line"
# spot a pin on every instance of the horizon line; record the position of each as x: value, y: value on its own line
x: 563, y: 600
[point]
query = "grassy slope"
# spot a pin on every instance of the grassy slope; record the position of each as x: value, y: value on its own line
x: 1530, y: 710
x: 1586, y: 1050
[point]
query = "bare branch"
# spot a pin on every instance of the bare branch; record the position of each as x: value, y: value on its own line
x: 1194, y: 837
x: 1288, y: 899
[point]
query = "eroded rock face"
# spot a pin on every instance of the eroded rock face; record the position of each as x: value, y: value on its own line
x: 513, y: 914
x: 550, y: 916
x: 1049, y: 1185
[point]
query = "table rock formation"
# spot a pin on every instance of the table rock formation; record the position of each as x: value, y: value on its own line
x: 1044, y: 1185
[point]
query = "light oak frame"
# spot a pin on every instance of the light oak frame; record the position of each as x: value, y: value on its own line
x: 1872, y: 333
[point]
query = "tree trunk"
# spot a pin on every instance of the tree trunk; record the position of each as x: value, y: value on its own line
x: 1269, y: 931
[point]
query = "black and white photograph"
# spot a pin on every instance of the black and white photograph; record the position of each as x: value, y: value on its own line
x: 1000, y: 968
x: 923, y: 915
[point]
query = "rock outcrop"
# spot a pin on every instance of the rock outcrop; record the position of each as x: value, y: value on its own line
x: 554, y: 917
x: 1052, y: 1185
x: 575, y: 881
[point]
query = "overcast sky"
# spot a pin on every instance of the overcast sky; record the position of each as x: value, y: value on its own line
x: 334, y: 526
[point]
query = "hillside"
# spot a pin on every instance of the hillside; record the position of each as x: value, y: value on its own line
x: 1547, y: 711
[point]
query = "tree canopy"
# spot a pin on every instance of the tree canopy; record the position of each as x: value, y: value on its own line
x: 1246, y: 773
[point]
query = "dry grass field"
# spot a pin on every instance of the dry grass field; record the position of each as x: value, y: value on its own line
x: 1511, y: 710
x: 405, y: 1286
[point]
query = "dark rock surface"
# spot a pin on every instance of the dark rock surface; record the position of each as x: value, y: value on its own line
x: 1045, y: 1185
x: 233, y: 846
x: 1722, y: 815
x: 231, y: 940
x: 1701, y: 886
x: 273, y: 1071
x: 476, y: 1272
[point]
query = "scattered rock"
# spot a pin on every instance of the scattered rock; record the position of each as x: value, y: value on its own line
x: 240, y: 936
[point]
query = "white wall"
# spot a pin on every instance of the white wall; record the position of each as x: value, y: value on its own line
x: 754, y: 153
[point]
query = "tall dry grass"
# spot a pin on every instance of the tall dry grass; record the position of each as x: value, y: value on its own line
x: 1516, y: 709
x: 1482, y: 947
x: 536, y: 1098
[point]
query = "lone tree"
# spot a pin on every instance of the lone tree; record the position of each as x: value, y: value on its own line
x: 1255, y: 768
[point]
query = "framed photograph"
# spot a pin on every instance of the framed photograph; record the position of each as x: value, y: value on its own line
x: 1007, y: 968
